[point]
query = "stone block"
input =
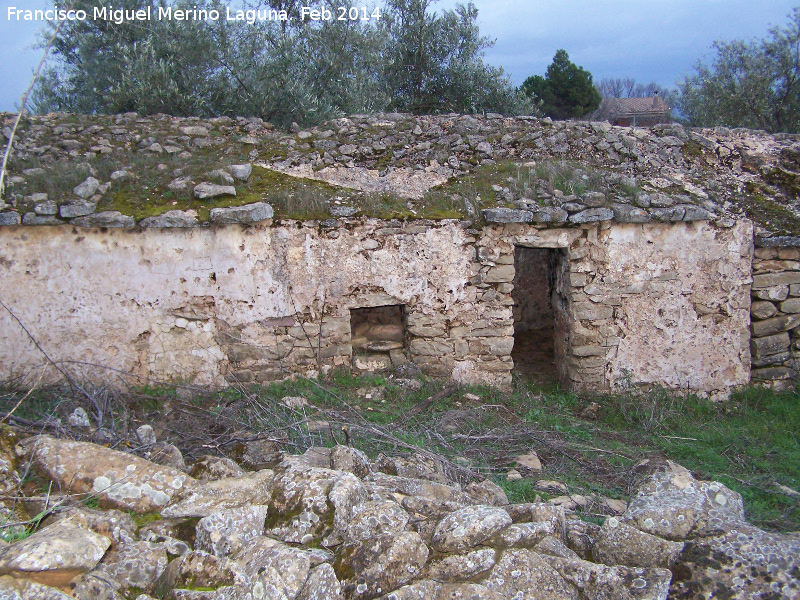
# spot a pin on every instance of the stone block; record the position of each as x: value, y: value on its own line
x: 789, y: 253
x: 766, y: 346
x: 775, y: 266
x: 588, y: 311
x: 499, y: 274
x: 582, y: 351
x: 109, y: 218
x: 771, y: 374
x: 372, y: 363
x: 499, y: 331
x: 171, y: 218
x: 765, y: 254
x: 207, y: 190
x: 763, y: 310
x: 507, y: 215
x: 249, y: 213
x: 592, y: 215
x: 791, y: 306
x: 778, y: 241
x: 775, y: 325
x: 423, y: 331
x: 773, y: 359
x: 778, y: 292
x: 768, y: 280
x: 31, y: 218
x: 79, y: 208
x: 9, y: 218
x: 550, y: 214
x: 625, y: 213
x: 794, y: 290
x: 430, y: 348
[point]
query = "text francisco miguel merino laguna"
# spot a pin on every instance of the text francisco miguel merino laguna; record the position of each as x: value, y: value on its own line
x: 119, y: 16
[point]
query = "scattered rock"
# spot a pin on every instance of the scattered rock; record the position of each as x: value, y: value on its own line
x: 249, y: 213
x: 87, y: 189
x: 241, y: 172
x: 54, y: 555
x: 171, y: 218
x: 118, y: 480
x: 204, y: 191
x: 109, y: 218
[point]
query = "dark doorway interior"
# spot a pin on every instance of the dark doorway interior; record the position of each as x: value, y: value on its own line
x: 536, y: 271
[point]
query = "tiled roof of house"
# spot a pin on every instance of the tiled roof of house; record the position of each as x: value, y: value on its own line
x: 622, y: 107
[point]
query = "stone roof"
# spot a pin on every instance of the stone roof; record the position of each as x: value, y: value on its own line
x: 170, y: 171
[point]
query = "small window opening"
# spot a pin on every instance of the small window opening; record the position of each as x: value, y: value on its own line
x: 378, y: 337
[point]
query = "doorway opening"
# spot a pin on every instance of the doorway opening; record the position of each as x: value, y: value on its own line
x: 539, y: 306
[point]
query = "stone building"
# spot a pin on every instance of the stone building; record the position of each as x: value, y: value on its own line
x: 633, y: 112
x: 650, y: 266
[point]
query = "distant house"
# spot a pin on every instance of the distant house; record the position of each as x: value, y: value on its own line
x: 636, y: 112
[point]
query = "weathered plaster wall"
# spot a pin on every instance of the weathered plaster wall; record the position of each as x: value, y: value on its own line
x: 678, y: 299
x: 651, y: 303
x: 202, y: 304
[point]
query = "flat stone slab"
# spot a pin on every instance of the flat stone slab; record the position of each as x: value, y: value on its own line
x: 171, y: 218
x: 54, y: 555
x: 249, y: 213
x: 204, y: 191
x: 109, y: 218
x: 206, y: 498
x: 117, y: 479
x: 468, y: 527
x: 507, y: 215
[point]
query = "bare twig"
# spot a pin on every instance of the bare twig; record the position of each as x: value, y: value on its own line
x: 72, y: 383
x: 21, y: 400
x: 422, y: 406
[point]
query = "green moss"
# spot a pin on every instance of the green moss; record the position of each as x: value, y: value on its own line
x: 787, y: 181
x: 769, y: 213
x: 144, y: 519
x: 691, y: 149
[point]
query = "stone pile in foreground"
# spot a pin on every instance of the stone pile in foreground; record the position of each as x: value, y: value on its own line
x: 332, y: 524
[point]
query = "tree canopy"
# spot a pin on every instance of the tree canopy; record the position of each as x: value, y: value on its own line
x: 565, y: 92
x: 749, y: 84
x: 410, y: 59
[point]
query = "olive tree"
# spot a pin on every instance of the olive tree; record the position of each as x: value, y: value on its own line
x: 748, y: 84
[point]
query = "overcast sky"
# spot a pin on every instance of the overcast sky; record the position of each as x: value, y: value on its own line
x: 650, y: 40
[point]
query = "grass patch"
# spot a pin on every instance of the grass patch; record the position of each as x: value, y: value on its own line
x: 749, y: 443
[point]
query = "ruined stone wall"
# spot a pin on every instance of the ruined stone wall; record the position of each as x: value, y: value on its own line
x: 231, y: 303
x: 775, y: 311
x: 642, y: 303
x: 647, y: 304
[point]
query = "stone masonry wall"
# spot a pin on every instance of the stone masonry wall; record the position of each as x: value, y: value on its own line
x: 775, y: 312
x: 642, y: 303
x: 648, y: 304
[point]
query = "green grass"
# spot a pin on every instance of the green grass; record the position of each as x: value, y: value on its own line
x: 750, y: 443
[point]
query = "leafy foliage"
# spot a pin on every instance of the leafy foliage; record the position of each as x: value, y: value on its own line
x: 749, y: 84
x: 435, y: 62
x: 566, y: 91
x: 280, y: 70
